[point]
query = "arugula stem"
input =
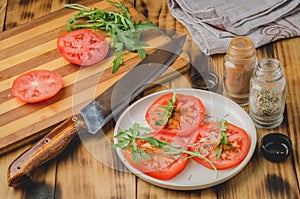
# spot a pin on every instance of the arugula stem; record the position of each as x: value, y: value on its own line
x: 193, y: 154
x: 223, y: 139
x: 120, y: 26
x: 127, y: 140
x: 77, y: 7
x: 168, y: 111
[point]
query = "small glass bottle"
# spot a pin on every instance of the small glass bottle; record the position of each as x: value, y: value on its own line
x: 239, y: 64
x: 267, y: 94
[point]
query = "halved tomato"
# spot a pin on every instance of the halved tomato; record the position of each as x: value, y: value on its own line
x: 82, y: 47
x: 206, y: 139
x: 37, y: 85
x: 187, y: 114
x: 161, y: 166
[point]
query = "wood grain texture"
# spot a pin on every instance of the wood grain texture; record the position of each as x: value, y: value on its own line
x: 23, y: 11
x: 99, y: 175
x: 3, y: 8
x: 289, y: 57
x: 269, y: 177
x: 33, y: 46
x: 81, y: 173
x: 46, y: 149
x: 276, y: 180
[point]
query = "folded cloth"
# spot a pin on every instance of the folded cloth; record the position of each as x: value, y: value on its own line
x: 213, y: 23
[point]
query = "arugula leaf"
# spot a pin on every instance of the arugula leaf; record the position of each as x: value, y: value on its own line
x: 118, y: 59
x: 123, y: 30
x: 119, y: 5
x: 168, y: 110
x: 223, y: 139
x: 128, y: 138
x: 142, y: 53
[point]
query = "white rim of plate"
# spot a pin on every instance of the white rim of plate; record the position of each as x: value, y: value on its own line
x: 224, y: 175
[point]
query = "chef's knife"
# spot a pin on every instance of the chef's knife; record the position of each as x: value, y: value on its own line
x: 96, y: 114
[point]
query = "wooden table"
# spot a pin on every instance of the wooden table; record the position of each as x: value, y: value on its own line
x: 78, y: 174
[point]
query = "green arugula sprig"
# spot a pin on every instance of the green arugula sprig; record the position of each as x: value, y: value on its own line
x: 167, y: 111
x: 123, y: 30
x: 223, y: 139
x: 127, y: 140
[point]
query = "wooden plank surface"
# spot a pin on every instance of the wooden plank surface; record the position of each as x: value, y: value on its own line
x: 260, y: 178
x: 79, y: 174
x: 288, y: 53
x: 3, y: 6
x: 33, y: 46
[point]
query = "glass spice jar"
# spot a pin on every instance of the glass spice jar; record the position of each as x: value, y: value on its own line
x: 239, y: 64
x: 267, y: 94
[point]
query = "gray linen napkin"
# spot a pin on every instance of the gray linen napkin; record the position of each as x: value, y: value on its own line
x: 213, y: 23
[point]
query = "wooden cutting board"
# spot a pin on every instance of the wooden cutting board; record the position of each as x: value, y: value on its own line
x: 33, y: 46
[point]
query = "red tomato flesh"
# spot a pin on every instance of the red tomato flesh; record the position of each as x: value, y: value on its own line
x: 37, y: 85
x: 82, y: 47
x: 161, y: 166
x: 205, y: 138
x: 187, y: 115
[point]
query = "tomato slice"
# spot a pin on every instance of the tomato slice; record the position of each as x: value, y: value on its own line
x: 161, y: 166
x: 37, y: 85
x: 205, y: 138
x: 82, y: 47
x: 187, y: 115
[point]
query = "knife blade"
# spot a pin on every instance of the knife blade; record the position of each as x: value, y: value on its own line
x: 96, y: 114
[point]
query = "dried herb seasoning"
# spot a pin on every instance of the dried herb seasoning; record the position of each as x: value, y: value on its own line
x: 266, y: 102
x: 267, y: 94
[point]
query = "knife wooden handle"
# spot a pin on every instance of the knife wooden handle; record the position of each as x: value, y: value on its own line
x: 49, y: 147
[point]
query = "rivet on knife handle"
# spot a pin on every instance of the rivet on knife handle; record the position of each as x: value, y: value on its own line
x: 98, y: 112
x: 53, y: 144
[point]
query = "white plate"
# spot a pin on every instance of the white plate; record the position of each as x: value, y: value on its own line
x: 195, y: 176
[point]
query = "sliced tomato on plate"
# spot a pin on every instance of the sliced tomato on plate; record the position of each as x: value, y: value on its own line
x: 161, y: 165
x: 82, y: 47
x: 187, y: 115
x: 205, y: 140
x: 37, y: 85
